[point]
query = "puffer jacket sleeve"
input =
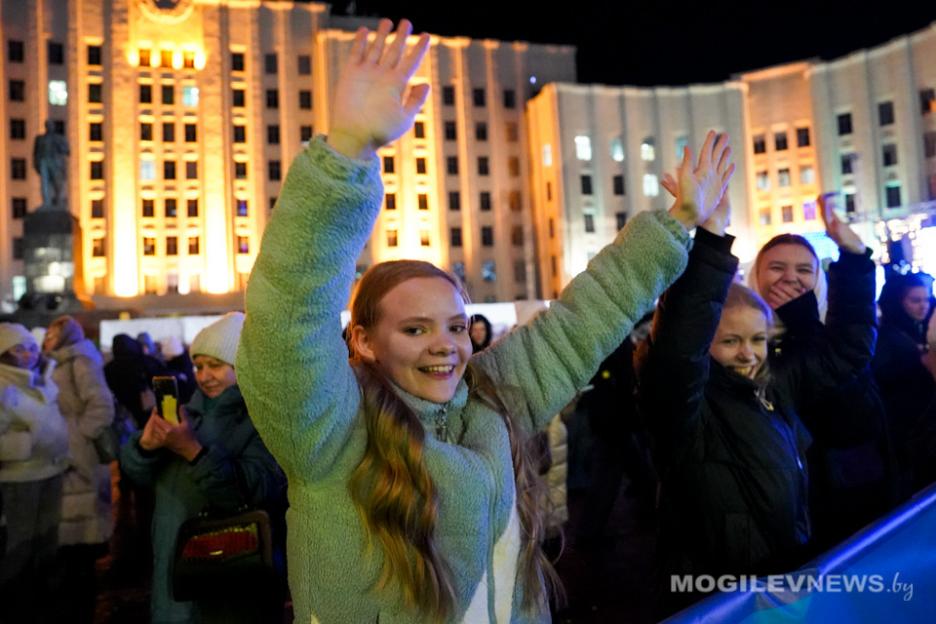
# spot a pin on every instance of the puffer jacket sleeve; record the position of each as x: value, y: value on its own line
x: 550, y: 358
x: 673, y: 363
x: 141, y: 466
x: 94, y: 394
x: 292, y: 365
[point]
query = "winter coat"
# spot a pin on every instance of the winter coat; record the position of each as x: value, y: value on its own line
x: 88, y: 407
x: 556, y: 503
x: 33, y: 434
x: 313, y: 419
x: 731, y: 451
x: 236, y: 470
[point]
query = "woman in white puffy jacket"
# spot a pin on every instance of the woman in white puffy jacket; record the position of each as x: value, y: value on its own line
x: 33, y: 456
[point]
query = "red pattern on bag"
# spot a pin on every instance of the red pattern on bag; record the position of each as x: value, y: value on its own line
x: 223, y: 544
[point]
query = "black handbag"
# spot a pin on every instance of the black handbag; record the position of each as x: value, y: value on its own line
x: 217, y: 557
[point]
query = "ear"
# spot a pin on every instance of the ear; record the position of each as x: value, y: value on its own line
x: 361, y: 344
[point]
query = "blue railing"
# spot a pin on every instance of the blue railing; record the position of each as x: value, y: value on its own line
x: 885, y: 573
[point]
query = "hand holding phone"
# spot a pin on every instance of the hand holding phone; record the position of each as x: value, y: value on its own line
x: 167, y: 397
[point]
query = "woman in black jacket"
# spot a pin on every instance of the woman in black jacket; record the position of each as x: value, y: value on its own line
x: 729, y: 445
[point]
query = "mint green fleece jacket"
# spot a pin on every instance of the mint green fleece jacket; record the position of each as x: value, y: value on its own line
x: 306, y: 403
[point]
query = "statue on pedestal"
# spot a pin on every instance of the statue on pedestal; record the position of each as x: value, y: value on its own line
x: 50, y: 160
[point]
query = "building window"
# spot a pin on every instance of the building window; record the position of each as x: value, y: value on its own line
x: 589, y: 223
x: 388, y: 164
x: 844, y: 124
x: 390, y: 201
x: 477, y: 97
x: 17, y: 248
x: 487, y: 236
x: 802, y: 137
x: 97, y: 169
x: 450, y: 131
x: 241, y: 207
x: 304, y: 62
x: 485, y: 201
x: 927, y: 101
x: 171, y: 208
x: 240, y: 170
x: 514, y: 200
x: 95, y: 131
x: 305, y: 99
x: 448, y: 95
x: 17, y: 129
x: 848, y: 163
x: 424, y: 239
x: 451, y: 165
x: 15, y: 51
x: 240, y: 134
x: 147, y: 170
x: 149, y: 246
x: 148, y: 208
x: 237, y: 61
x: 483, y: 168
x: 481, y: 131
x: 168, y: 132
x: 168, y: 94
x: 929, y: 144
x: 19, y: 207
x: 648, y: 150
x: 421, y: 166
x: 780, y: 141
x: 885, y: 113
x: 273, y: 170
x: 783, y: 177
x: 583, y: 149
x: 510, y: 98
x: 272, y: 203
x: 273, y: 134
x: 188, y: 59
x: 143, y: 54
x: 193, y: 246
x: 513, y: 167
x: 422, y: 201
x: 165, y: 58
x: 454, y: 200
x: 620, y: 219
x: 764, y: 216
x: 516, y: 236
x: 617, y: 183
x: 807, y: 174
x: 419, y: 130
x: 237, y: 98
x: 191, y: 208
x: 787, y: 214
x: 488, y: 271
x: 56, y: 53
x: 191, y: 169
x: 305, y: 133
x: 18, y: 168
x: 889, y: 154
x: 392, y: 239
x: 243, y: 245
x: 809, y: 210
x: 172, y: 246
x: 762, y: 181
x: 893, y: 196
x: 586, y: 184
x: 58, y: 93
x: 95, y: 93
x: 651, y: 185
x: 512, y: 131
x: 146, y: 94
x: 547, y: 155
x: 190, y: 96
x: 269, y: 64
x: 850, y: 205
x: 617, y: 150
x: 98, y: 247
x: 97, y: 208
x: 458, y: 268
x: 455, y: 237
x: 272, y: 98
x: 760, y: 144
x: 146, y: 131
x: 552, y: 228
x: 169, y: 170
x: 17, y: 90
x: 191, y: 133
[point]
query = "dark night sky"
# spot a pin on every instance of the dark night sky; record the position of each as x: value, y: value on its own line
x: 644, y: 42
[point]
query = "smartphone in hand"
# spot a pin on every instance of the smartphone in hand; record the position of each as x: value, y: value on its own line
x: 167, y: 397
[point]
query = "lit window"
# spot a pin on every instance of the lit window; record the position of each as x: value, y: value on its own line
x: 424, y: 238
x: 589, y: 223
x: 190, y: 96
x: 58, y: 93
x: 149, y: 246
x: 547, y: 155
x: 98, y: 247
x: 783, y: 177
x: 651, y: 186
x: 147, y: 169
x: 583, y: 150
x: 488, y: 271
x: 392, y: 240
x: 787, y: 212
x: 807, y: 175
x: 764, y: 216
x: 763, y: 181
x: 617, y: 149
x: 809, y: 210
x: 648, y: 150
x: 243, y: 245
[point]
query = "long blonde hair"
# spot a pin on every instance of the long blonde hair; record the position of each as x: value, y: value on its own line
x: 392, y: 487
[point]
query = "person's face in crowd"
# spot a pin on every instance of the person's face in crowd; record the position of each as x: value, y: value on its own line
x: 213, y: 375
x: 793, y: 265
x: 51, y: 339
x: 478, y: 332
x: 420, y: 340
x: 740, y: 343
x: 916, y: 303
x: 23, y: 355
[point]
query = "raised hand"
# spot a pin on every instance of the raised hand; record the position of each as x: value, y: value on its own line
x: 700, y: 188
x: 838, y: 230
x: 371, y: 106
x: 181, y: 440
x: 781, y: 293
x: 720, y: 218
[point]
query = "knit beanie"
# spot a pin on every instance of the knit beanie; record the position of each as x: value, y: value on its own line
x: 12, y: 334
x: 219, y: 340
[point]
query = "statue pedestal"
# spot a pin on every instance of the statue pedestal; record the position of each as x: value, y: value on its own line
x: 52, y: 259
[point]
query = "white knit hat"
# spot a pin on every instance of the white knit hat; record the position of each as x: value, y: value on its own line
x: 219, y: 340
x: 12, y: 334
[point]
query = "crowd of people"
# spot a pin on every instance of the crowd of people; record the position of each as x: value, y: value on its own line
x: 759, y: 424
